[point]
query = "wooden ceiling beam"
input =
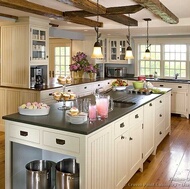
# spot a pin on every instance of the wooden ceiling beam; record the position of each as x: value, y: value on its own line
x: 122, y: 19
x: 8, y: 16
x: 26, y: 6
x: 109, y: 11
x: 157, y: 8
x: 85, y: 5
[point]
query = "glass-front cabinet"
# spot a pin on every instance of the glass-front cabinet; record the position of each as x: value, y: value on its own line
x: 117, y: 49
x: 39, y: 47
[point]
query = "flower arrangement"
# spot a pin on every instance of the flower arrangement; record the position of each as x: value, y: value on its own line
x: 80, y: 61
x: 90, y: 68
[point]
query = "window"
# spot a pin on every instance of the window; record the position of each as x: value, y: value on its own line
x: 148, y: 67
x: 62, y: 61
x: 175, y: 60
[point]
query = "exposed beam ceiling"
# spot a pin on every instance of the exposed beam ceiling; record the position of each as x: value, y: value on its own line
x: 8, y: 16
x: 85, y: 5
x: 45, y: 11
x: 157, y: 8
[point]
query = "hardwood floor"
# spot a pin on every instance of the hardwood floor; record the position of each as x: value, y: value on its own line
x: 168, y: 169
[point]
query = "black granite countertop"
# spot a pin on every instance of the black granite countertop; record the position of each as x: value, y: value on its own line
x: 56, y: 118
x: 185, y: 81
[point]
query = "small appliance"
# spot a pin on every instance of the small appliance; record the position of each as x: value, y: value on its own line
x: 118, y: 72
x: 36, y: 77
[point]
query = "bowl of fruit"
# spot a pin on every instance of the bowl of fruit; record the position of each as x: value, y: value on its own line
x: 119, y: 85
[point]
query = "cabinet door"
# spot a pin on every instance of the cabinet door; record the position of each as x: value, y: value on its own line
x: 117, y: 50
x: 121, y: 161
x: 168, y: 112
x: 179, y: 102
x: 3, y: 109
x: 135, y: 147
x: 39, y: 45
x: 148, y: 129
x: 99, y: 159
x: 14, y: 56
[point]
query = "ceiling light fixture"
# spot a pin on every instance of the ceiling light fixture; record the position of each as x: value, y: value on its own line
x: 147, y: 52
x: 97, y: 51
x: 129, y: 52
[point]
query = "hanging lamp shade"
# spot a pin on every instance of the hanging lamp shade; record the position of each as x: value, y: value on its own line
x: 97, y: 51
x: 129, y: 53
x: 147, y: 52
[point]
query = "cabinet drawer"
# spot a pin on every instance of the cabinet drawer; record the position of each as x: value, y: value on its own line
x: 121, y: 126
x: 159, y: 115
x: 160, y: 101
x: 160, y: 133
x: 24, y: 133
x: 64, y: 142
x: 135, y: 116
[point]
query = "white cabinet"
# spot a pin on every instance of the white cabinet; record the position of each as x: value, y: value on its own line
x: 121, y: 152
x: 39, y: 45
x: 179, y: 99
x: 117, y: 48
x: 99, y: 160
x: 148, y: 129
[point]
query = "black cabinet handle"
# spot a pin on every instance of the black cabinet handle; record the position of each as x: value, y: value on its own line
x: 53, y: 74
x: 85, y: 87
x: 60, y: 141
x: 98, y: 85
x: 150, y: 104
x: 122, y: 137
x: 136, y: 116
x: 49, y: 73
x: 161, y: 85
x: 160, y: 133
x: 47, y: 57
x: 122, y: 125
x: 69, y: 90
x: 160, y: 115
x: 23, y: 133
x: 160, y: 101
x: 50, y: 94
x: 130, y: 138
x: 179, y: 86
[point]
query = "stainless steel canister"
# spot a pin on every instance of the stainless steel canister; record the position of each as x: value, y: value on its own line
x: 67, y: 174
x: 40, y: 174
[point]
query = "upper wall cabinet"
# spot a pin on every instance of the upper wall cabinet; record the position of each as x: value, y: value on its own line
x: 24, y: 44
x: 39, y: 45
x: 117, y: 48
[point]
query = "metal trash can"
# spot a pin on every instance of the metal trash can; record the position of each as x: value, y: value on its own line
x: 40, y: 174
x: 67, y: 174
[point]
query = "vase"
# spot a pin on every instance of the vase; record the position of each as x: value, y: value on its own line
x: 74, y: 74
x: 80, y: 73
x: 92, y: 76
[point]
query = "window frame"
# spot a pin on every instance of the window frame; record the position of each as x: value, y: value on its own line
x: 161, y: 41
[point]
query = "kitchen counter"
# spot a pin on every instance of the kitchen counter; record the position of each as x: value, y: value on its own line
x: 56, y: 118
x: 185, y: 81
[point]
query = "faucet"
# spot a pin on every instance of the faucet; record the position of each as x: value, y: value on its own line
x: 176, y: 75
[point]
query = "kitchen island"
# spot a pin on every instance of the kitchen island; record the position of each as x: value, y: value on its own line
x: 109, y: 151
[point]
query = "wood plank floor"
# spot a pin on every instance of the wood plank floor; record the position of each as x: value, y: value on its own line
x: 168, y: 169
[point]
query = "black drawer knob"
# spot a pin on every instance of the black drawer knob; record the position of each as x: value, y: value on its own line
x: 136, y: 116
x: 122, y: 125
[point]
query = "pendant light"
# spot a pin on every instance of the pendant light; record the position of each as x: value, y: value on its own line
x: 129, y: 52
x: 147, y: 52
x: 97, y: 51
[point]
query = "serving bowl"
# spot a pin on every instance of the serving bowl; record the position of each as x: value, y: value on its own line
x: 138, y: 84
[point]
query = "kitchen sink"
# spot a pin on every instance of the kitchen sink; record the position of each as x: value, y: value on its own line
x: 123, y: 105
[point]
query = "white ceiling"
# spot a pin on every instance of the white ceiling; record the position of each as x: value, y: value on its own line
x: 156, y: 26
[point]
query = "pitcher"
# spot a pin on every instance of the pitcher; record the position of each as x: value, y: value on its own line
x: 104, y: 104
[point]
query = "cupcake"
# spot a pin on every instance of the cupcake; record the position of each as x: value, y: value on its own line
x: 72, y: 96
x: 57, y: 96
x: 66, y: 96
x: 74, y: 111
x: 61, y: 80
x: 68, y: 80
